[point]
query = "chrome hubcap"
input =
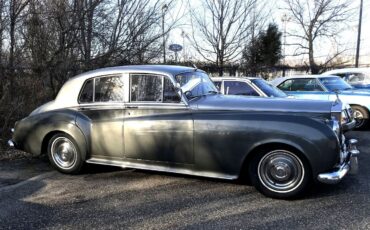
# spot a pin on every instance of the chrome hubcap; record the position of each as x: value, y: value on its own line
x: 63, y: 152
x: 280, y: 171
x: 359, y: 117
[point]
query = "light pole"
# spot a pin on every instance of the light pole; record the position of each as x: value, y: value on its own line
x: 359, y: 35
x: 164, y: 9
x: 284, y: 19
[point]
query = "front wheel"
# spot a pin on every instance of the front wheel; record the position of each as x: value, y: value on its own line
x: 361, y: 116
x: 279, y: 174
x: 64, y: 154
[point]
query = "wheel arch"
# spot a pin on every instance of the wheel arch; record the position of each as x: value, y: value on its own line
x: 273, y: 145
x: 74, y: 133
x: 362, y: 106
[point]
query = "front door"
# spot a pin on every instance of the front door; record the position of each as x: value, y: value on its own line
x: 157, y: 126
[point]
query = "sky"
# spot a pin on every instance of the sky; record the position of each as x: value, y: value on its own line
x: 347, y: 38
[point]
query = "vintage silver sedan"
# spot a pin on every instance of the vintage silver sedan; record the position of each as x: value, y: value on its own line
x: 173, y: 119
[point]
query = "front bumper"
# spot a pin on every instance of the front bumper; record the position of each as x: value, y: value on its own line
x: 349, y: 126
x: 350, y: 164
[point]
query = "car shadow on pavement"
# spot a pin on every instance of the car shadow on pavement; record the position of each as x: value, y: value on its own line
x: 17, y: 213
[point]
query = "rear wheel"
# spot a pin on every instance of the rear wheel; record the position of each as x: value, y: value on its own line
x: 361, y: 116
x: 279, y: 174
x: 64, y: 154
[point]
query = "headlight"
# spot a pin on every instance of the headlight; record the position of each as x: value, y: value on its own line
x: 335, y: 126
x: 344, y: 117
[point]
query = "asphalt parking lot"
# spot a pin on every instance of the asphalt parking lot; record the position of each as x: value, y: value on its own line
x: 34, y: 196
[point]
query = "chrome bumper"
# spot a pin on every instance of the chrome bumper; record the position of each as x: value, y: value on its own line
x: 350, y: 165
x: 349, y: 126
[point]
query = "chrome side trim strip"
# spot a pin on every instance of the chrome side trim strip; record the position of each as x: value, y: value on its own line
x: 126, y: 164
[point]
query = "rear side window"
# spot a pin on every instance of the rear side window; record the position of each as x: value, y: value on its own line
x: 239, y: 88
x: 102, y: 89
x: 87, y: 94
x: 308, y: 84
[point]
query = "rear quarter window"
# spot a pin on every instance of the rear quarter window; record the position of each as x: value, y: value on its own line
x: 102, y: 89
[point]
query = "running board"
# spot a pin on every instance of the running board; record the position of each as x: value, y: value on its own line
x: 125, y: 164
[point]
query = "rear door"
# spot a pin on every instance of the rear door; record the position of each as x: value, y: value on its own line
x: 101, y: 100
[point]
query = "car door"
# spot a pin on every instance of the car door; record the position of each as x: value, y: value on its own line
x: 101, y: 101
x: 158, y: 126
x: 304, y: 88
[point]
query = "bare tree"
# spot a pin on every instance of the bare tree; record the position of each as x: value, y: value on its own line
x: 318, y: 19
x: 221, y: 28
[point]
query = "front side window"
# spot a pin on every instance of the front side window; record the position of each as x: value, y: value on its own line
x: 102, y: 89
x: 300, y: 84
x: 239, y: 88
x: 354, y: 78
x: 195, y: 84
x: 152, y: 88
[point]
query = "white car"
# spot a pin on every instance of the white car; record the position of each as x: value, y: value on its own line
x: 356, y: 77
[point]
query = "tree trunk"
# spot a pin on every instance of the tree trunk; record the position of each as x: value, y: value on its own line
x: 313, y: 66
x: 11, y: 67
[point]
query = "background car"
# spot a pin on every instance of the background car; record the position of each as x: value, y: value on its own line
x: 356, y: 77
x: 254, y: 86
x: 172, y: 119
x: 331, y: 88
x: 247, y: 86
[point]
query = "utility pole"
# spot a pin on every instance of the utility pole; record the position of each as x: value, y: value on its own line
x: 164, y: 9
x: 284, y: 19
x: 359, y: 36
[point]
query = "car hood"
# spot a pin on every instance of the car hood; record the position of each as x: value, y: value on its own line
x: 243, y: 103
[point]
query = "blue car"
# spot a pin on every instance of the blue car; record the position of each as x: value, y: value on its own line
x: 331, y: 88
x: 359, y: 78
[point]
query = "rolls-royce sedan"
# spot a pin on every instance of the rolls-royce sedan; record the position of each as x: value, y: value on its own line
x: 173, y: 119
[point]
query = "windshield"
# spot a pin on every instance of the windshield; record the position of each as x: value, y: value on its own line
x: 335, y: 83
x: 196, y: 84
x: 268, y: 89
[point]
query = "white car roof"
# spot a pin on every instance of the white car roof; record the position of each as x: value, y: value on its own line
x: 233, y: 78
x: 348, y: 70
x: 279, y: 80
